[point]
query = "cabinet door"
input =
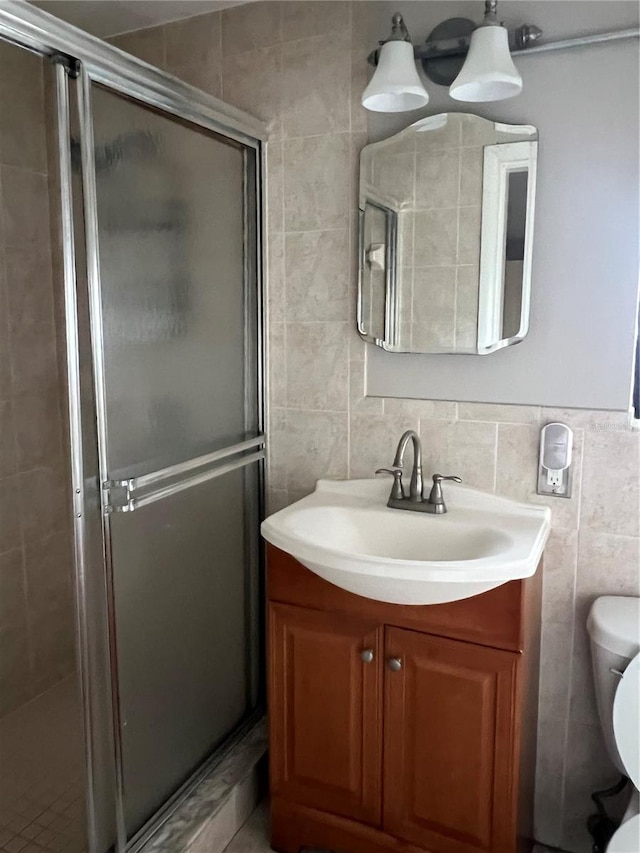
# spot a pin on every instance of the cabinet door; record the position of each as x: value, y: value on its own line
x: 325, y: 711
x: 450, y: 777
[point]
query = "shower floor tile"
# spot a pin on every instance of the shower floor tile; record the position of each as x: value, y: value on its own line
x: 42, y: 775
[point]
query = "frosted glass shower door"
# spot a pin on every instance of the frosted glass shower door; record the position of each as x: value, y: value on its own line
x: 176, y: 345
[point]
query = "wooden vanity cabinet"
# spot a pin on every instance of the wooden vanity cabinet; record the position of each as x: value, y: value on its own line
x: 400, y: 728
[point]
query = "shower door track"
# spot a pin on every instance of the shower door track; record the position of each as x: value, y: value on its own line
x: 31, y: 28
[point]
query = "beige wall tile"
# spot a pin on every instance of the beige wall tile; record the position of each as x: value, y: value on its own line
x: 549, y: 787
x: 15, y: 688
x: 317, y: 448
x: 277, y: 448
x: 277, y: 499
x: 33, y: 359
x: 434, y: 307
x: 467, y: 296
x: 251, y: 26
x: 275, y: 188
x: 583, y: 708
x: 22, y: 124
x: 466, y: 449
x: 555, y: 668
x: 317, y: 198
x: 436, y: 238
x: 275, y: 279
x: 471, y: 166
x: 38, y: 430
x: 607, y: 565
x: 359, y: 78
x: 13, y: 598
x: 52, y: 648
x: 277, y: 364
x: 147, y: 45
x: 316, y: 86
x: 48, y: 571
x: 252, y: 81
x: 498, y: 413
x: 7, y: 439
x: 425, y: 410
x: 317, y: 266
x: 469, y: 235
x: 42, y: 502
x: 373, y: 442
x: 447, y: 136
x: 517, y: 460
x: 193, y: 50
x: 304, y: 18
x: 10, y: 535
x: 5, y: 350
x: 357, y: 399
x: 560, y: 566
x: 393, y: 173
x: 474, y: 133
x: 25, y: 207
x: 600, y: 421
x: 29, y: 284
x: 317, y: 366
x: 437, y: 178
x: 611, y: 482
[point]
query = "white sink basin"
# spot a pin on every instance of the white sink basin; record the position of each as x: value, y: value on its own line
x: 345, y: 533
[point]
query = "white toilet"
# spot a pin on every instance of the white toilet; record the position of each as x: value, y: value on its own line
x: 614, y: 628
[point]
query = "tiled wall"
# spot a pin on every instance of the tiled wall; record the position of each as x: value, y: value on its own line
x: 301, y: 67
x: 436, y: 179
x: 36, y: 618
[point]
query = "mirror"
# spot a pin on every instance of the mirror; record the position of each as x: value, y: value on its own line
x: 446, y: 229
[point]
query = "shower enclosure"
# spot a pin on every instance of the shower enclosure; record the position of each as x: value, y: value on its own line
x: 131, y: 232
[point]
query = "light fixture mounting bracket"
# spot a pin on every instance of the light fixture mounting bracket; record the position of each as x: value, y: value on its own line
x: 446, y: 48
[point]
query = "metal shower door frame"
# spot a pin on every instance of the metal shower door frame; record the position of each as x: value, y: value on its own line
x: 181, y: 475
x: 93, y: 61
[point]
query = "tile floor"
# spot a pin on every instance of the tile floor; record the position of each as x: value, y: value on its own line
x: 254, y: 835
x: 41, y: 775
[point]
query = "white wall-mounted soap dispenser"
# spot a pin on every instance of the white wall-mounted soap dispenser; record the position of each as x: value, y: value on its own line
x: 554, y: 466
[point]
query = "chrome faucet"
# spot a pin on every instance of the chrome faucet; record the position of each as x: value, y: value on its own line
x: 415, y: 501
x: 415, y: 487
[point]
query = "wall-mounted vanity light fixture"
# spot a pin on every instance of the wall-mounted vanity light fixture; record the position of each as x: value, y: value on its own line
x: 475, y: 62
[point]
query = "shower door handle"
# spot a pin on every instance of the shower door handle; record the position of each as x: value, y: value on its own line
x: 129, y: 494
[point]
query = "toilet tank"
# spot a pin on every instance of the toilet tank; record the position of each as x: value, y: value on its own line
x: 614, y: 628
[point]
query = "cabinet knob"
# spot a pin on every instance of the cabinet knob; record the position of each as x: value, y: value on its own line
x: 366, y: 655
x: 395, y: 664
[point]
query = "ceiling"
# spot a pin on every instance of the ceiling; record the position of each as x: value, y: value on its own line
x: 110, y: 17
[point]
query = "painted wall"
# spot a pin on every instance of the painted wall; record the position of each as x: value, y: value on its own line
x: 584, y: 103
x: 301, y: 66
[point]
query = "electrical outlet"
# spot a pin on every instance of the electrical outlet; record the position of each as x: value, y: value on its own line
x: 554, y: 479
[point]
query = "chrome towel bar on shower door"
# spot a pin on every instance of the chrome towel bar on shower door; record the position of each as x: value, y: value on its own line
x: 132, y: 493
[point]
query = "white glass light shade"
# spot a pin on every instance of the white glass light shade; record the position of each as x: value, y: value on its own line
x: 395, y: 87
x: 488, y: 73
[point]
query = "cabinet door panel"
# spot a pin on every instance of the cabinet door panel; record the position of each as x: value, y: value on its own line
x: 449, y: 778
x: 325, y: 711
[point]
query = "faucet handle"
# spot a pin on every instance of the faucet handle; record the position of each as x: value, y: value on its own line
x: 397, y: 490
x: 436, y: 498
